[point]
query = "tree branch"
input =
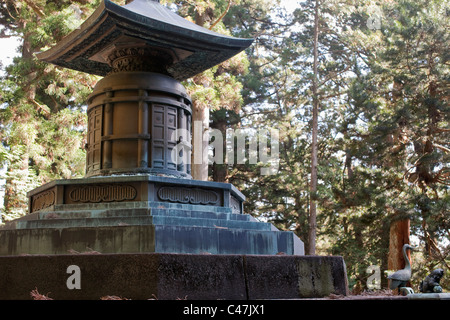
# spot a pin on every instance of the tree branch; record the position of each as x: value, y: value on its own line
x: 223, y: 15
x: 446, y: 150
x: 35, y: 8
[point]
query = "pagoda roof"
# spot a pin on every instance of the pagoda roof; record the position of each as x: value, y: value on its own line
x: 142, y: 22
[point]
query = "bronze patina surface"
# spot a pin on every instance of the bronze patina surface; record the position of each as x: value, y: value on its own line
x: 139, y: 122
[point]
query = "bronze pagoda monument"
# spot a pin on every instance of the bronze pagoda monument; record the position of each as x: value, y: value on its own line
x: 138, y: 194
x: 158, y: 231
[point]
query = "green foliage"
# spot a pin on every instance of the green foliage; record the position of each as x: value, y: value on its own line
x: 42, y: 121
x: 383, y: 136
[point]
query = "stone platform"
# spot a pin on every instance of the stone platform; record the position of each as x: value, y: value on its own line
x: 172, y: 276
x: 141, y: 237
x: 150, y: 227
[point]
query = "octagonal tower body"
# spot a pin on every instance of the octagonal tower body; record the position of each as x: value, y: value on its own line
x: 134, y: 125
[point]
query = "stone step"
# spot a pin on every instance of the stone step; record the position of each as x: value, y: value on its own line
x: 190, y: 207
x: 150, y: 209
x: 75, y: 214
x: 211, y: 223
x: 83, y: 222
x: 137, y: 205
x: 171, y: 212
x: 191, y: 239
x: 148, y: 238
x: 100, y: 214
x: 142, y: 220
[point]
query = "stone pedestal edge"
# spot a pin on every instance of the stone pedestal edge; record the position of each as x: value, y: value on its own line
x: 171, y: 276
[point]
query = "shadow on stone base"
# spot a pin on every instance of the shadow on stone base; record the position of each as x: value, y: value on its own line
x: 172, y: 276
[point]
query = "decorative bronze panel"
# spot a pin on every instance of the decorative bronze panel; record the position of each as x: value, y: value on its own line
x: 189, y: 195
x: 158, y: 137
x: 103, y: 193
x: 164, y: 126
x: 94, y: 139
x: 43, y: 200
x: 235, y: 205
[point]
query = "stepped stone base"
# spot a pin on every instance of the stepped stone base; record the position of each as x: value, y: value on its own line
x: 155, y: 237
x: 172, y: 276
x: 155, y: 227
x: 141, y: 213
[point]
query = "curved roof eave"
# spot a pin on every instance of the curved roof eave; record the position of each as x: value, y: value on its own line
x: 158, y: 28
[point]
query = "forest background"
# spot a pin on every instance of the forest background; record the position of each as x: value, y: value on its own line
x: 377, y: 72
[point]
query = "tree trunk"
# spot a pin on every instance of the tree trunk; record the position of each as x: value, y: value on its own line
x: 200, y: 121
x: 200, y: 125
x: 311, y: 250
x: 398, y: 236
x: 220, y: 170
